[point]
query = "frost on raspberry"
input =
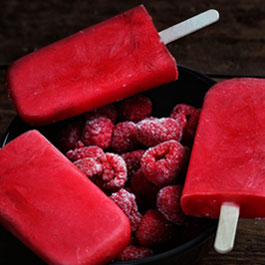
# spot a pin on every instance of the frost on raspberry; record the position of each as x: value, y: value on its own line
x: 124, y: 137
x: 69, y: 134
x: 168, y: 203
x: 152, y: 131
x: 144, y: 190
x: 98, y: 131
x: 135, y: 108
x: 108, y: 111
x: 92, y: 151
x: 162, y: 164
x: 155, y: 230
x: 89, y: 166
x: 181, y: 119
x: 114, y: 173
x: 126, y: 201
x: 133, y: 161
x: 134, y: 252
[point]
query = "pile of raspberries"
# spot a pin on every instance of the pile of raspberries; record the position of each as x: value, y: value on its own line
x: 140, y: 162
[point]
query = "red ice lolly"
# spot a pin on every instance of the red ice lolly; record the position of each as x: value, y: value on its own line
x: 54, y: 209
x: 112, y: 60
x: 227, y: 163
x: 227, y: 166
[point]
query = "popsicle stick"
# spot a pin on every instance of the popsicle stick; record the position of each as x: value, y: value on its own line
x: 226, y: 230
x: 188, y: 26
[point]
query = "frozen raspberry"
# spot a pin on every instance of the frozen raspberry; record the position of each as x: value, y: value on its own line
x: 190, y: 128
x: 123, y: 137
x: 168, y: 203
x: 98, y: 131
x: 126, y: 201
x: 155, y: 230
x: 192, y: 116
x: 87, y: 152
x: 144, y: 190
x: 69, y: 134
x: 181, y: 119
x: 89, y: 166
x: 79, y: 144
x: 153, y: 131
x: 108, y: 111
x: 134, y: 252
x: 114, y: 173
x: 185, y: 109
x: 162, y: 164
x: 133, y: 161
x: 135, y: 108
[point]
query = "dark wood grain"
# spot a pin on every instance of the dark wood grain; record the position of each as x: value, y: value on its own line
x: 249, y: 246
x: 233, y: 46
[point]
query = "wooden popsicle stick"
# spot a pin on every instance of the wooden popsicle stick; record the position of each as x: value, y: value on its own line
x: 188, y: 26
x: 226, y: 230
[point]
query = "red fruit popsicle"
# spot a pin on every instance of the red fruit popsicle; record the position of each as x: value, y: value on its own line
x: 112, y: 60
x: 54, y: 209
x: 227, y: 164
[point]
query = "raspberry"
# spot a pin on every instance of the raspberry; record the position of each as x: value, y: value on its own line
x: 134, y: 252
x: 79, y: 144
x: 108, y: 111
x: 126, y: 201
x: 133, y: 161
x: 89, y: 166
x: 153, y: 131
x: 185, y: 109
x: 168, y: 203
x: 155, y: 230
x: 86, y: 152
x: 192, y: 116
x: 162, y: 164
x: 135, y: 108
x: 144, y: 190
x: 182, y: 120
x: 69, y: 134
x: 98, y: 131
x: 123, y: 137
x: 190, y: 128
x: 114, y: 173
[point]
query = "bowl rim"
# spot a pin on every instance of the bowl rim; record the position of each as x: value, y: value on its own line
x: 199, y: 239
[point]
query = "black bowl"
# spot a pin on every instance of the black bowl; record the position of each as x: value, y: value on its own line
x: 190, y: 88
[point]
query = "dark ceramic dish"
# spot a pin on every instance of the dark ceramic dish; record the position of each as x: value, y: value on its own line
x: 190, y: 89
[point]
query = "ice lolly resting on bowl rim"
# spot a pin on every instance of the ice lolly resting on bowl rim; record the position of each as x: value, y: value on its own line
x: 112, y: 60
x: 227, y: 166
x: 54, y: 209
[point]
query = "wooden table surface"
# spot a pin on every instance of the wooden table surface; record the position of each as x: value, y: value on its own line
x: 235, y: 46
